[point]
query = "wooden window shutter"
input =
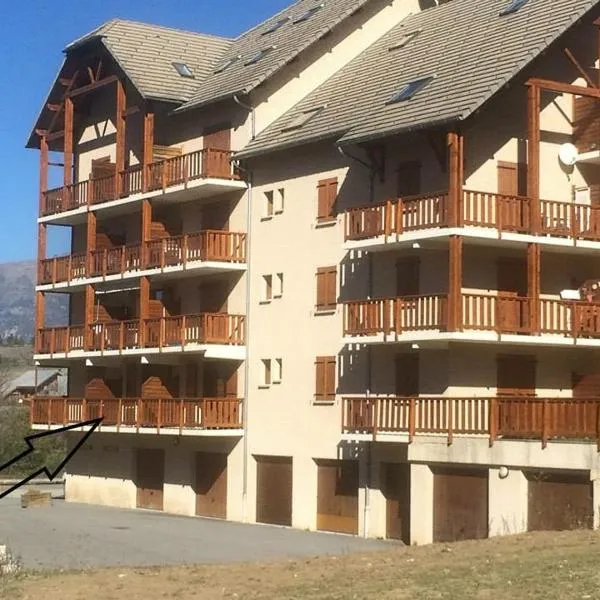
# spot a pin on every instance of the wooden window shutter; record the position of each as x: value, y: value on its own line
x: 325, y: 378
x: 326, y: 288
x: 327, y: 190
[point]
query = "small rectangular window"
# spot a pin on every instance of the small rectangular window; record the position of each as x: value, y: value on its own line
x: 266, y: 375
x: 278, y: 291
x: 258, y: 56
x: 325, y: 367
x: 404, y: 40
x: 269, y: 204
x: 277, y: 370
x: 183, y: 70
x: 227, y: 63
x: 302, y: 119
x: 279, y: 200
x: 408, y: 90
x: 267, y: 287
x: 276, y: 25
x: 327, y: 191
x: 512, y: 7
x: 305, y: 16
x: 326, y: 288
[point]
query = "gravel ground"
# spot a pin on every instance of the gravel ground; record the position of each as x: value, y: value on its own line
x: 75, y: 536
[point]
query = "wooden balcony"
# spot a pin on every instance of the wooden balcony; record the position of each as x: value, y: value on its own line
x: 477, y: 209
x: 177, y: 251
x: 208, y: 163
x: 520, y: 418
x: 179, y: 414
x: 480, y: 312
x: 165, y: 332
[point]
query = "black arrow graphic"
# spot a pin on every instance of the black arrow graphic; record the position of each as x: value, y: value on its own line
x: 51, y: 474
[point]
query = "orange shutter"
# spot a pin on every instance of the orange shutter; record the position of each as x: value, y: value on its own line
x: 327, y: 195
x: 326, y: 288
x: 325, y: 378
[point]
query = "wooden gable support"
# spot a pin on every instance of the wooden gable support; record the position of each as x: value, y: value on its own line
x: 55, y: 135
x: 53, y: 107
x: 579, y: 68
x: 132, y: 110
x: 69, y: 84
x: 90, y: 87
x: 564, y: 88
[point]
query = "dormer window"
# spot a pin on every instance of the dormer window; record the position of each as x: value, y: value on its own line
x: 513, y: 6
x: 258, y: 56
x: 308, y: 14
x: 227, y: 63
x: 275, y: 26
x: 408, y: 90
x: 302, y: 118
x: 183, y: 70
x: 404, y: 40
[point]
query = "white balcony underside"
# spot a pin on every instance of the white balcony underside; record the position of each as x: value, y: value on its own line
x: 489, y: 337
x: 481, y: 235
x: 195, y: 189
x: 196, y: 267
x: 209, y: 351
x: 153, y: 431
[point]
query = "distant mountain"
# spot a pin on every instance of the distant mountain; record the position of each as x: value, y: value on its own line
x: 17, y: 301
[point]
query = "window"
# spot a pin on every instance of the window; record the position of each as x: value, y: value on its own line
x: 404, y: 40
x: 277, y: 370
x: 267, y: 288
x: 407, y: 91
x: 266, y: 376
x: 327, y: 190
x: 269, y: 204
x: 278, y: 291
x: 325, y: 379
x: 279, y: 200
x: 326, y: 288
x: 183, y: 70
x: 302, y: 119
x: 275, y: 26
x: 256, y: 57
x: 512, y: 7
x: 308, y: 14
x: 227, y: 63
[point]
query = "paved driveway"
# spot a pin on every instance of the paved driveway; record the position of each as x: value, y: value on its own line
x: 78, y: 536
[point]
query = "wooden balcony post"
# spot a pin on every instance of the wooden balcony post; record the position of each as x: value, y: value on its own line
x: 70, y: 268
x: 412, y: 418
x: 119, y: 414
x: 88, y: 316
x: 84, y: 409
x: 388, y: 218
x: 43, y: 173
x: 52, y: 340
x: 40, y: 305
x: 544, y: 423
x: 91, y: 236
x: 54, y: 271
x: 493, y: 420
x: 183, y: 326
x: 450, y: 416
x: 68, y: 141
x: 144, y: 308
x: 42, y: 242
x: 533, y: 286
x: 159, y: 416
x: 138, y: 414
x: 184, y: 250
x: 533, y: 156
x: 147, y: 149
x: 399, y: 216
x: 120, y: 135
x: 454, y: 143
x: 181, y: 415
x: 146, y: 230
x: 455, y: 260
x: 49, y: 416
x: 375, y: 417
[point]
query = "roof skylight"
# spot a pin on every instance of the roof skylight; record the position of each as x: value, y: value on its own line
x: 227, y: 63
x: 408, y: 90
x: 260, y: 54
x: 303, y: 118
x: 404, y: 40
x: 309, y: 13
x: 512, y: 7
x: 183, y: 70
x: 275, y: 26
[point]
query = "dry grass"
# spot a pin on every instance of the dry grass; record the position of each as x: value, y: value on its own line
x: 550, y: 566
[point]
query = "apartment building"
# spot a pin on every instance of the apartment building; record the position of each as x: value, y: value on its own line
x: 338, y: 273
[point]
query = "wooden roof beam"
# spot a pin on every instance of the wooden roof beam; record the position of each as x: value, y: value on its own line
x: 579, y: 68
x: 93, y: 86
x: 564, y: 88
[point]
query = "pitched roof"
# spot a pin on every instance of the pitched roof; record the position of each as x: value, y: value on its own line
x: 146, y: 54
x: 286, y: 42
x: 469, y: 49
x: 27, y: 379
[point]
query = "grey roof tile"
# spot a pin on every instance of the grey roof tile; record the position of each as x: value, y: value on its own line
x: 449, y: 46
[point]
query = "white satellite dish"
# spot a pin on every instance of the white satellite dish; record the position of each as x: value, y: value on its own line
x: 568, y: 154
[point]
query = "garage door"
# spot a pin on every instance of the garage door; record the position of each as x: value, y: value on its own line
x: 395, y: 478
x: 274, y: 490
x: 211, y: 484
x: 337, y: 496
x: 460, y: 504
x: 559, y: 501
x: 150, y: 476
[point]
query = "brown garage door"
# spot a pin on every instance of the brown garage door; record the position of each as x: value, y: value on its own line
x: 274, y: 490
x: 337, y: 496
x: 211, y: 484
x: 150, y: 476
x: 396, y: 488
x: 559, y: 501
x: 460, y: 504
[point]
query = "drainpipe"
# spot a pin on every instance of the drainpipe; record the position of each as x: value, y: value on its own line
x: 250, y: 109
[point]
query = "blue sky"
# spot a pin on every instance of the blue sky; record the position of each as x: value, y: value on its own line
x: 32, y: 36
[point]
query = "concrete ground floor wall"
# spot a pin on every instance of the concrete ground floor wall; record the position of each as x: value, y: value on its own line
x: 418, y: 493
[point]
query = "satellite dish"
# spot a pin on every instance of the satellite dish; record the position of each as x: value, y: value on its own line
x: 568, y: 154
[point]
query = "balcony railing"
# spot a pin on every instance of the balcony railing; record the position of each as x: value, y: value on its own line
x: 208, y: 245
x: 165, y: 332
x: 528, y: 418
x: 477, y: 209
x: 155, y: 413
x: 201, y: 164
x: 480, y: 312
